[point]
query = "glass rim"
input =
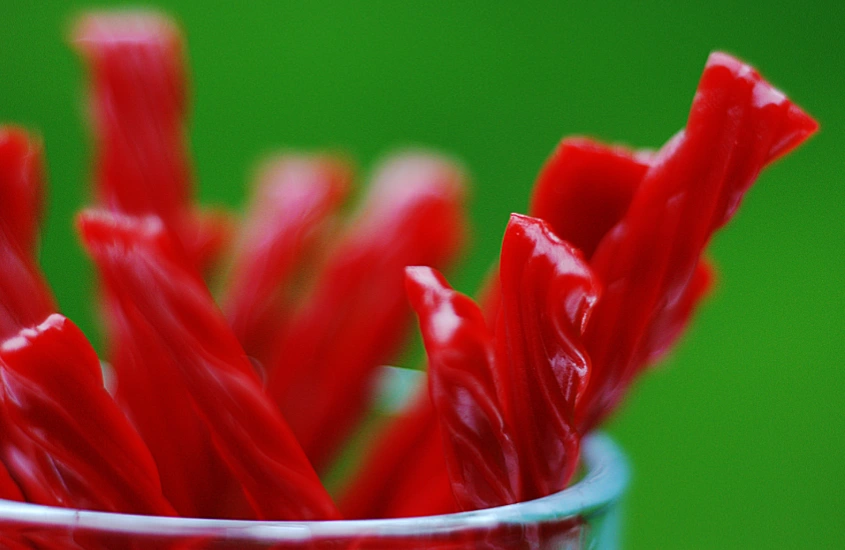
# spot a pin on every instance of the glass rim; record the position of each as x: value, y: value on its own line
x: 603, y: 484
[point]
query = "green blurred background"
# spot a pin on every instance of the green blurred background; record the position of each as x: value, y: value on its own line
x: 738, y: 441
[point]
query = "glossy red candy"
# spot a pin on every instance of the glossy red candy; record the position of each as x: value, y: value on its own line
x: 356, y: 317
x: 465, y: 388
x: 738, y: 124
x: 65, y: 441
x: 596, y: 286
x: 166, y: 306
x: 548, y: 293
x: 506, y: 403
x: 588, y: 192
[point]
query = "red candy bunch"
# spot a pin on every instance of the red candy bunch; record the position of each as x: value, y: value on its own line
x: 231, y: 411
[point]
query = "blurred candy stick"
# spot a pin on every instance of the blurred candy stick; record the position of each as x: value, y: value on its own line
x: 357, y: 316
x: 165, y: 305
x: 404, y: 471
x: 137, y: 101
x: 138, y: 104
x: 293, y: 203
x: 22, y: 189
x: 737, y: 125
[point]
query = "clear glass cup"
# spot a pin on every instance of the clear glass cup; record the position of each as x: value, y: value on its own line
x: 585, y: 515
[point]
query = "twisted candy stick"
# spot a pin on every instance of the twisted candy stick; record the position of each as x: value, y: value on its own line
x: 480, y: 449
x: 165, y: 305
x: 506, y: 402
x: 737, y: 125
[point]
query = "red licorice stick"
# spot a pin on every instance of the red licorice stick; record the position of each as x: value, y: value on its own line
x: 138, y: 105
x: 164, y: 302
x: 548, y: 293
x: 65, y: 441
x: 357, y: 316
x: 21, y: 187
x: 506, y: 403
x: 738, y: 124
x: 290, y: 210
x: 480, y: 450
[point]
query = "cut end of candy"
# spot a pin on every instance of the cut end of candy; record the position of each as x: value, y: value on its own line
x: 127, y: 27
x: 405, y: 176
x: 797, y: 126
x: 296, y: 174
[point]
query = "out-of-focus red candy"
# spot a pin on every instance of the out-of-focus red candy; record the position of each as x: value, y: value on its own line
x: 21, y: 187
x: 138, y: 105
x: 356, y: 317
x: 288, y: 218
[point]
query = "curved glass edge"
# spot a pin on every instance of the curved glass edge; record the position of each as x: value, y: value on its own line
x: 607, y: 475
